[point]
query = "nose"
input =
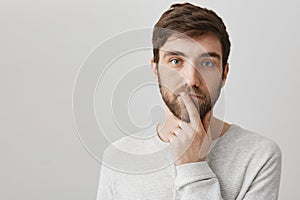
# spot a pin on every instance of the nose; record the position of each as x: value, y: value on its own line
x: 191, y: 75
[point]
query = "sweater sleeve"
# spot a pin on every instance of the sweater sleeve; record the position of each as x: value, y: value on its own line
x: 267, y: 180
x: 105, y: 185
x: 196, y: 181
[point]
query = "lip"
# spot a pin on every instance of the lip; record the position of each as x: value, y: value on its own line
x: 196, y: 96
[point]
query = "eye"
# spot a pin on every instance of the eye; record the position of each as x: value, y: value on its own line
x: 175, y: 61
x: 208, y: 63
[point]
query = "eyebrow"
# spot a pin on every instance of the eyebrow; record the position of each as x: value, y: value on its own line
x: 206, y: 54
x: 211, y: 54
x: 174, y: 53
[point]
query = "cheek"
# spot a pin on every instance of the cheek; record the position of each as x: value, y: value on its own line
x: 212, y: 86
x: 213, y: 79
x: 170, y: 78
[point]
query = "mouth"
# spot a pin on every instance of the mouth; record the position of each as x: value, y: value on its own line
x: 196, y: 96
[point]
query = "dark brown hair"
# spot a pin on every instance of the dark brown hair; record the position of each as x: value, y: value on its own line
x: 191, y: 21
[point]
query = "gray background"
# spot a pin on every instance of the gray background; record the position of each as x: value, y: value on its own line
x: 43, y: 44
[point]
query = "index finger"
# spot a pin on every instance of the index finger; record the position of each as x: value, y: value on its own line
x: 191, y: 109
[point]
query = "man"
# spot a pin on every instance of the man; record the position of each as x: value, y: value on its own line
x: 191, y: 48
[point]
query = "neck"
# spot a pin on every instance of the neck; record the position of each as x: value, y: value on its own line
x: 216, y: 126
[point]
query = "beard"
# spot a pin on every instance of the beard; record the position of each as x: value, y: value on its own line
x: 203, y: 104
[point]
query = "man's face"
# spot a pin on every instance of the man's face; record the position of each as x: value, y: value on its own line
x: 194, y: 66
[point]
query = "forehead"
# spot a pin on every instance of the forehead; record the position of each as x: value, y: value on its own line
x: 193, y: 46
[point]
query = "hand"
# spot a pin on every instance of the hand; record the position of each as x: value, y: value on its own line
x: 190, y: 141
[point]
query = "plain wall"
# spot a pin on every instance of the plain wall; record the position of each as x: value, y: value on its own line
x: 43, y: 44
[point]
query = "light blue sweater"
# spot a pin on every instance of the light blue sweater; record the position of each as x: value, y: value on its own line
x: 241, y: 165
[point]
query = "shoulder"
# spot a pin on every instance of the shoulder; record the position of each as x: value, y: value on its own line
x: 256, y: 141
x: 246, y: 143
x: 137, y: 143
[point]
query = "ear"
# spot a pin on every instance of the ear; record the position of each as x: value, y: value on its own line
x: 226, y: 70
x: 154, y: 69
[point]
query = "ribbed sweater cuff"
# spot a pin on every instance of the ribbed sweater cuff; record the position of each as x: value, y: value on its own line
x: 192, y: 172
